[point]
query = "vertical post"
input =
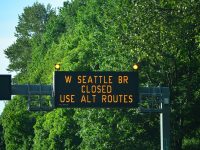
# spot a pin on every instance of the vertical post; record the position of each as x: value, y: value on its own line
x: 53, y: 92
x: 165, y: 120
x: 29, y: 97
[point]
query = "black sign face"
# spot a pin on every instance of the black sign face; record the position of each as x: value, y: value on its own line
x: 96, y: 89
x: 5, y: 87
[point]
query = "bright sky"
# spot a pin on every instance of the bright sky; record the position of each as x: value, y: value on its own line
x: 9, y: 12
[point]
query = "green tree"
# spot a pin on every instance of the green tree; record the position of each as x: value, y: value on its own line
x: 31, y: 24
x: 2, y: 144
x: 19, y: 55
x: 17, y: 124
x: 33, y: 20
x: 56, y: 130
x: 92, y: 35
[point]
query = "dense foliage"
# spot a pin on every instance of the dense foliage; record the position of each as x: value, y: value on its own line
x: 93, y: 35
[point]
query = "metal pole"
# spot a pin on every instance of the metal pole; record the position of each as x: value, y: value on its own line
x: 165, y: 121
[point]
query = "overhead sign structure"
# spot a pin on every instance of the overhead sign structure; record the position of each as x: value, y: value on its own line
x: 96, y: 89
x: 5, y: 87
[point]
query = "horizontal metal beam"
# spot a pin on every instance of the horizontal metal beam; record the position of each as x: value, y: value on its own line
x: 47, y: 89
x: 162, y: 92
x: 149, y: 110
x: 153, y: 90
x: 30, y: 89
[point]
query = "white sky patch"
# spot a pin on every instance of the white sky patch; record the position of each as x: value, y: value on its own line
x: 5, y: 42
x: 55, y: 3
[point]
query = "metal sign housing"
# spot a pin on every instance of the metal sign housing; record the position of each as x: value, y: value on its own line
x: 5, y: 87
x: 96, y: 89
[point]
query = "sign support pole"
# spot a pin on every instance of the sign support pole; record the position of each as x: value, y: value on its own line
x: 165, y: 121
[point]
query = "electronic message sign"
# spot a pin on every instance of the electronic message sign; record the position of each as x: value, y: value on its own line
x: 96, y: 89
x: 5, y: 87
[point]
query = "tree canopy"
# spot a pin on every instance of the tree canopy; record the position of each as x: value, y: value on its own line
x: 93, y: 35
